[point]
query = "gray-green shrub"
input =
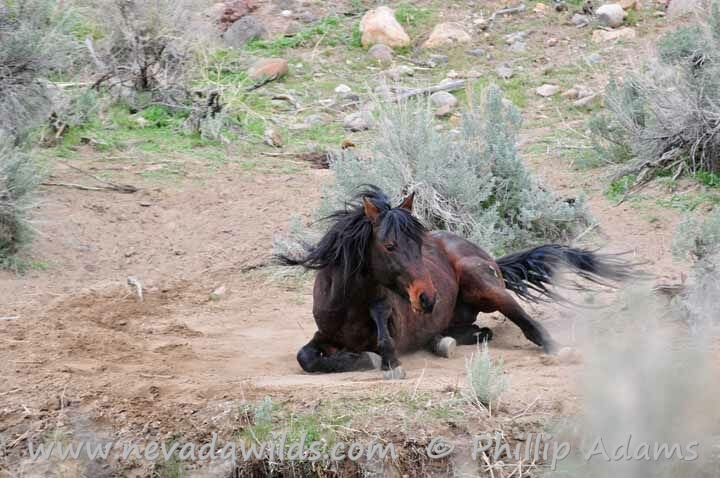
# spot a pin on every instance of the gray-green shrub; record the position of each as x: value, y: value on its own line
x: 472, y: 181
x: 667, y: 115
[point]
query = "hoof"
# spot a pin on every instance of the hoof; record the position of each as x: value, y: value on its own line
x: 446, y: 347
x: 397, y: 373
x: 551, y: 347
x: 374, y: 359
x: 484, y: 335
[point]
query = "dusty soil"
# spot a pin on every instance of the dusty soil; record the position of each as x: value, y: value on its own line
x: 84, y: 353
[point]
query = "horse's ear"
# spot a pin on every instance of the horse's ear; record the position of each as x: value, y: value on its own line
x: 407, y: 203
x: 371, y: 211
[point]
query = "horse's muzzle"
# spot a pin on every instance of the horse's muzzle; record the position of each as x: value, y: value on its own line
x: 427, y: 303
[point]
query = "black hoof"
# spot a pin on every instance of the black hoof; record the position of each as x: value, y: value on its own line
x: 484, y: 335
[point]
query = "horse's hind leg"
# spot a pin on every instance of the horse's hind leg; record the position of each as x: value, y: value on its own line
x: 463, y: 328
x: 483, y: 290
x: 316, y: 357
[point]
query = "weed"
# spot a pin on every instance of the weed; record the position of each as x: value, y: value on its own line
x: 619, y: 188
x: 486, y: 379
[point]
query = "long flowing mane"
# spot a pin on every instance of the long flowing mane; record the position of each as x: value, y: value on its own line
x: 345, y: 244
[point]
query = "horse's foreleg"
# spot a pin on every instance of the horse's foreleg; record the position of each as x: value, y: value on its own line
x: 380, y: 311
x: 317, y: 357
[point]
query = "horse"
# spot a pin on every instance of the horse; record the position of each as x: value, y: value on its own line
x: 385, y: 285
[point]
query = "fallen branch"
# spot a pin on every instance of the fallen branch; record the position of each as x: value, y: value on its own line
x: 123, y: 188
x: 85, y: 188
x: 507, y: 11
x: 10, y: 318
x: 449, y: 86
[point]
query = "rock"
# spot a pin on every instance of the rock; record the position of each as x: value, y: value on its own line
x: 515, y: 37
x: 286, y: 13
x: 541, y: 9
x: 583, y: 91
x: 476, y: 52
x: 398, y: 72
x: 314, y: 120
x: 630, y: 4
x: 593, y: 59
x: 230, y: 11
x: 604, y: 36
x: 481, y: 23
x: 218, y: 293
x: 437, y: 59
x: 518, y: 46
x: 380, y: 26
x: 587, y: 102
x: 570, y: 94
x: 268, y: 69
x: 551, y: 42
x: 504, y: 72
x: 381, y: 53
x: 547, y: 90
x: 343, y: 90
x: 442, y: 98
x: 611, y: 15
x: 358, y: 121
x: 580, y: 20
x: 242, y: 31
x: 445, y: 34
x: 272, y: 138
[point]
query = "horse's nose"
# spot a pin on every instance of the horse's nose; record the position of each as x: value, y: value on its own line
x: 427, y: 303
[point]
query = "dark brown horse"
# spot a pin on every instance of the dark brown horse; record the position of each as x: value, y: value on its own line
x: 385, y: 286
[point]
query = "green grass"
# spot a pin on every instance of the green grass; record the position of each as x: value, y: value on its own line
x: 691, y: 200
x: 21, y: 265
x: 410, y: 15
x: 618, y: 188
x: 710, y: 180
x: 330, y: 30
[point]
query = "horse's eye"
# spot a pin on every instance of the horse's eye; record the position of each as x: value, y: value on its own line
x: 390, y: 246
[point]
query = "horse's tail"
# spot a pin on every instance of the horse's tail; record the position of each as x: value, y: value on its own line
x: 530, y: 273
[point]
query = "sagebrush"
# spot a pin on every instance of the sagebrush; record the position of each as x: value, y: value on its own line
x: 18, y: 178
x: 471, y: 181
x: 486, y: 379
x: 36, y: 41
x: 666, y: 116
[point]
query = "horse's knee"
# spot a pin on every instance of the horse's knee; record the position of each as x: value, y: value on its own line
x: 308, y: 357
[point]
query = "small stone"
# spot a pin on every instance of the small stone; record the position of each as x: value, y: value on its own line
x: 547, y: 90
x: 476, y: 52
x: 587, y: 102
x: 611, y: 15
x: 551, y: 42
x: 286, y: 13
x: 396, y: 74
x: 381, y: 53
x: 571, y: 94
x: 272, y: 138
x: 605, y: 36
x: 268, y: 69
x: 593, y: 59
x: 504, y: 72
x: 358, y: 121
x: 380, y: 26
x: 580, y: 20
x: 541, y: 9
x: 437, y: 59
x: 441, y: 98
x: 343, y: 89
x: 515, y: 37
x: 518, y: 46
x: 218, y: 293
x: 630, y: 4
x: 446, y: 34
x: 481, y: 23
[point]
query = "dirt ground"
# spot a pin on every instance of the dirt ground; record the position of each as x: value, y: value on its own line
x: 81, y: 351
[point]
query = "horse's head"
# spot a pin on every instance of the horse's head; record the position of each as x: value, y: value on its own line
x: 395, y: 253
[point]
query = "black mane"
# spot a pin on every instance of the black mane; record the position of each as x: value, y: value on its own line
x: 344, y: 246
